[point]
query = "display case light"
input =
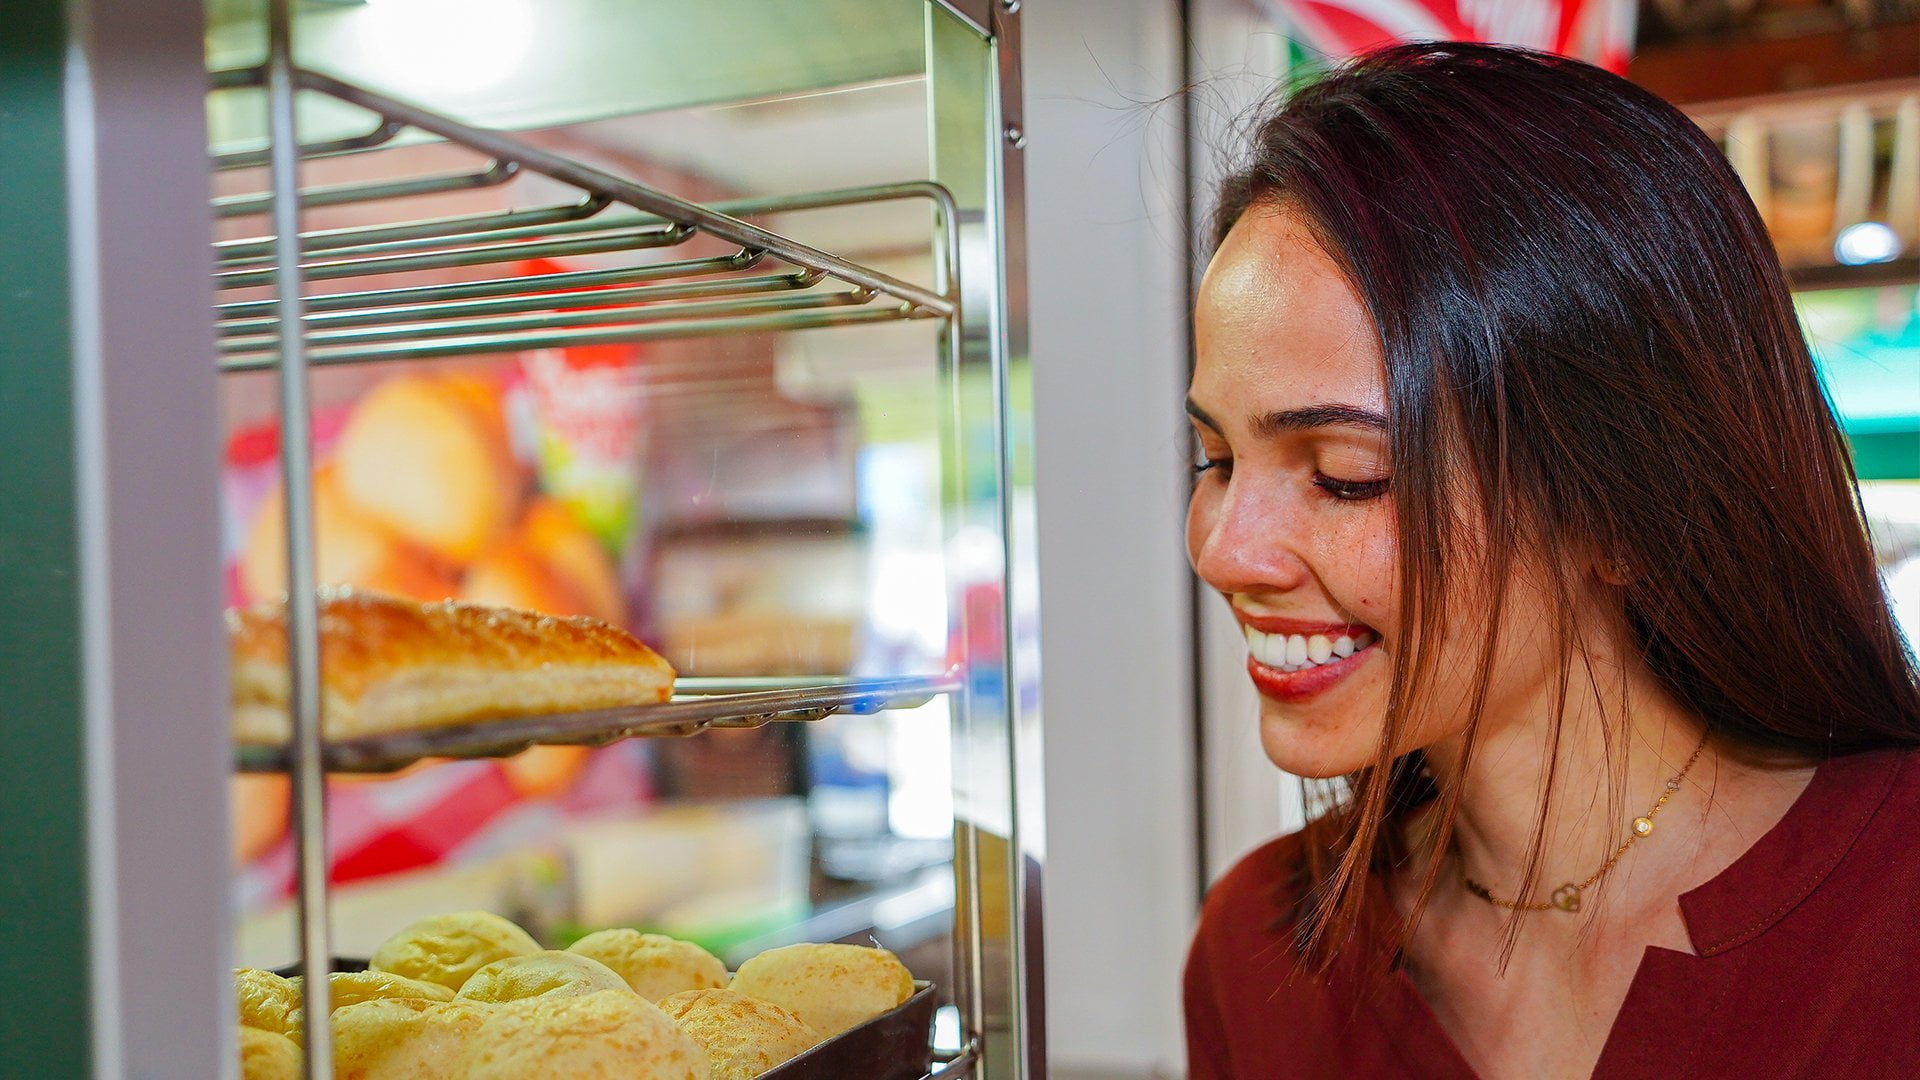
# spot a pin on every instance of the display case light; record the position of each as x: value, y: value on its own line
x: 1866, y: 242
x: 456, y: 46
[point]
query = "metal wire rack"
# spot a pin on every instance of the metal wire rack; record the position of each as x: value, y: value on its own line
x: 728, y: 276
x: 698, y: 704
x: 764, y: 282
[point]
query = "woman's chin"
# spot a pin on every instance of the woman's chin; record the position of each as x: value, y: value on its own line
x: 1312, y: 752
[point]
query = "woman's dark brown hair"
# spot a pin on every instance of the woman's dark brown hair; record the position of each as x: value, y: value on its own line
x: 1590, y: 353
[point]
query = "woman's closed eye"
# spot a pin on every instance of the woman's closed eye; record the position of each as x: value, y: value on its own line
x: 1205, y: 465
x: 1350, y: 490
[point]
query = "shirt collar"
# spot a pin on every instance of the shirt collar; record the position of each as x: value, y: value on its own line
x: 1791, y: 860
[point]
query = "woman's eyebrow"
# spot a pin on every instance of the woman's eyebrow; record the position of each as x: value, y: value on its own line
x: 1311, y: 416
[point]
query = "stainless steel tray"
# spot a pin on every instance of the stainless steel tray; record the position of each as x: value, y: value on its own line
x: 895, y: 1045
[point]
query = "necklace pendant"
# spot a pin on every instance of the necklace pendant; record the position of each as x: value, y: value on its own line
x: 1567, y: 897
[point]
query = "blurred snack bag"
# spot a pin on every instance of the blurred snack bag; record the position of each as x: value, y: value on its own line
x: 413, y: 481
x: 587, y: 429
x: 350, y: 548
x: 429, y: 458
x: 418, y: 492
x: 549, y: 562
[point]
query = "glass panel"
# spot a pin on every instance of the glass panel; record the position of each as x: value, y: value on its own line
x: 762, y: 506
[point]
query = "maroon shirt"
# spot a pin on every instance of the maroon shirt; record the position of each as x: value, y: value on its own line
x: 1808, y: 965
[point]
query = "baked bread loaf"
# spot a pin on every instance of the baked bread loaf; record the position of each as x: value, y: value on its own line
x: 654, y: 965
x: 743, y: 1036
x: 611, y: 1035
x: 541, y: 974
x: 448, y: 949
x: 268, y: 1055
x: 267, y: 1001
x: 396, y: 665
x: 403, y: 1038
x: 831, y: 988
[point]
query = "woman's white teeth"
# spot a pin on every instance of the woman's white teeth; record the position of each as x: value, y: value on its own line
x: 1291, y: 652
x: 1319, y: 649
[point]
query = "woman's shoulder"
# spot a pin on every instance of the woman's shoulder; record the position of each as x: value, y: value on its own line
x: 1247, y: 966
x: 1259, y: 907
x: 1267, y: 884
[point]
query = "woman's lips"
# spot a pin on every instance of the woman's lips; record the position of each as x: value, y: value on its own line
x: 1295, y: 686
x: 1292, y: 659
x: 1305, y: 681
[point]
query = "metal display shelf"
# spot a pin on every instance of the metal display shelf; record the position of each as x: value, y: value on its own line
x: 697, y: 704
x: 588, y: 257
x: 768, y: 282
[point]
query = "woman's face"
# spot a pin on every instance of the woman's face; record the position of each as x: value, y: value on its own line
x: 1291, y: 519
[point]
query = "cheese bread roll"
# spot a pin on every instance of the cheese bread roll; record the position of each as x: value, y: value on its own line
x: 266, y: 1000
x: 447, y: 949
x: 541, y: 974
x: 353, y: 987
x: 611, y: 1035
x: 654, y: 965
x: 268, y: 1055
x: 403, y: 1038
x: 743, y: 1037
x: 831, y: 988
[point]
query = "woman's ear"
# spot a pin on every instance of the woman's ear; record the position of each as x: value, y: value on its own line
x: 1613, y: 571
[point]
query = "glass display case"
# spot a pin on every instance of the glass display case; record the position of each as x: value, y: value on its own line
x: 703, y: 321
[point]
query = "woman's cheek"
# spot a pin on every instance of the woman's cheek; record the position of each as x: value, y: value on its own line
x: 1371, y: 556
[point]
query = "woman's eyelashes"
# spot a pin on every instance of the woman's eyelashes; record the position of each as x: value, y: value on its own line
x: 1350, y: 490
x: 1334, y: 487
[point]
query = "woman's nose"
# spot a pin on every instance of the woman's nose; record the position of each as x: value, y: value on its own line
x: 1244, y: 541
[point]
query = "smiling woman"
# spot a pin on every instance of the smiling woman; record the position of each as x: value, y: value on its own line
x: 1518, y: 477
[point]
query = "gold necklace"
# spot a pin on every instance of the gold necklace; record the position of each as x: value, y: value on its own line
x: 1567, y: 897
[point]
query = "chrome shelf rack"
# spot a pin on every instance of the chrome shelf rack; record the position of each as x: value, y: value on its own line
x: 765, y: 282
x: 698, y: 704
x: 596, y: 258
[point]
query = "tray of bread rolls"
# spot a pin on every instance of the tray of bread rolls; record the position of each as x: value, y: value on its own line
x: 470, y: 996
x: 402, y: 680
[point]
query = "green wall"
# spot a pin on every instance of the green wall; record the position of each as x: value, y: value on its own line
x: 44, y: 1008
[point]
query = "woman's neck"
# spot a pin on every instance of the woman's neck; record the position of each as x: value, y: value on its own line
x: 1610, y: 762
x: 1616, y: 750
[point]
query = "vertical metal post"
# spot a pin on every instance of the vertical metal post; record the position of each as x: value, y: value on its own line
x: 973, y: 84
x: 1014, y: 382
x: 296, y: 472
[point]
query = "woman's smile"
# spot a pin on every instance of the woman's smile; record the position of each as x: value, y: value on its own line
x: 1293, y: 659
